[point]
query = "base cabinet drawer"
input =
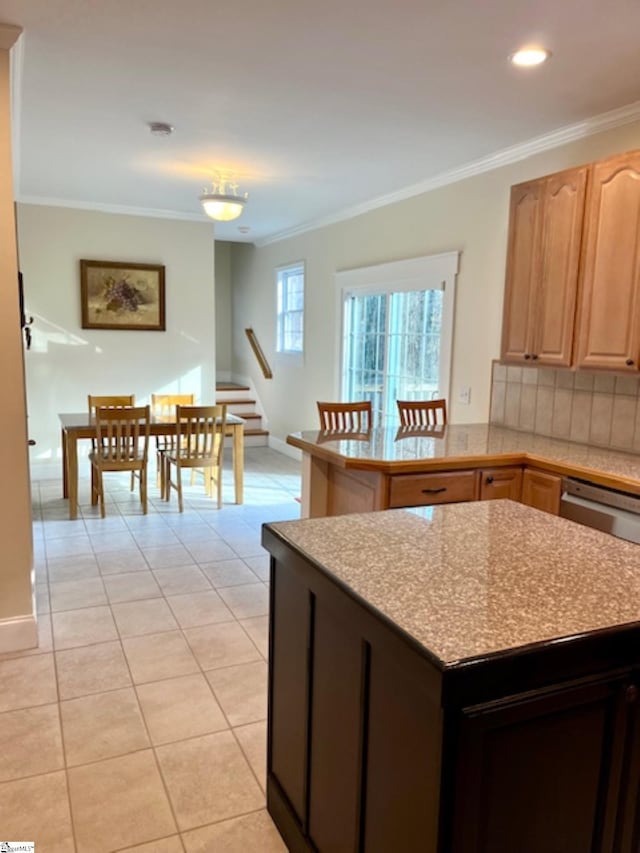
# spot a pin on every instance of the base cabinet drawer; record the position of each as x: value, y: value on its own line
x: 425, y: 489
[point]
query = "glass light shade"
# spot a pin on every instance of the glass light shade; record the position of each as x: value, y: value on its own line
x: 222, y: 207
x: 528, y: 56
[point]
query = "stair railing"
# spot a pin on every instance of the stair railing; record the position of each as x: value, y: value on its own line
x: 260, y: 356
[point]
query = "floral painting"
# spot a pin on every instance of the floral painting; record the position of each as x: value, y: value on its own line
x: 122, y: 296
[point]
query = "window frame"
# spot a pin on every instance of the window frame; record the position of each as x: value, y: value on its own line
x: 429, y: 272
x: 291, y: 269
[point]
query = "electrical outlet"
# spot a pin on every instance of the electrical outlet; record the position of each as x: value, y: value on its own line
x: 464, y: 396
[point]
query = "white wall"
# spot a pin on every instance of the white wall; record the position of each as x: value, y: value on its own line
x: 471, y: 215
x: 224, y: 353
x: 67, y: 362
x: 17, y: 620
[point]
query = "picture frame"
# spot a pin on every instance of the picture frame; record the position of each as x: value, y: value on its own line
x: 123, y: 296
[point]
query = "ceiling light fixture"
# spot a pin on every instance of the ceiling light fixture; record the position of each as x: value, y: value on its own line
x: 160, y: 128
x: 529, y: 56
x: 223, y: 202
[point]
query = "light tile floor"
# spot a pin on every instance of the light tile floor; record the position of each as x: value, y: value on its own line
x: 139, y: 723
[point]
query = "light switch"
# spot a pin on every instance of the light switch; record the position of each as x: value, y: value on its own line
x: 464, y: 396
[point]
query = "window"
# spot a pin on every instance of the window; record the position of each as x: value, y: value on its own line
x: 397, y: 327
x: 290, y: 332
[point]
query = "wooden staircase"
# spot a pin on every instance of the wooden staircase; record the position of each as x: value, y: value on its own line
x: 240, y: 402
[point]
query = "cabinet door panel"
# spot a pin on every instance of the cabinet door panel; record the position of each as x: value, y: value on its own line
x: 500, y: 483
x: 560, y: 794
x: 523, y: 269
x: 562, y: 219
x: 336, y: 734
x: 289, y: 711
x: 541, y: 491
x: 608, y: 319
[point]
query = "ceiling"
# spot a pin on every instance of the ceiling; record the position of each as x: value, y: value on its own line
x: 318, y: 108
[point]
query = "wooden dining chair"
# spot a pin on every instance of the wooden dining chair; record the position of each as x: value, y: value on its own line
x: 199, y: 444
x: 422, y: 413
x: 163, y: 407
x: 121, y: 444
x: 108, y: 402
x: 348, y: 417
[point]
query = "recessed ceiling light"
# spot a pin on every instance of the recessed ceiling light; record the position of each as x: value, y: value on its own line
x: 528, y: 56
x: 160, y: 128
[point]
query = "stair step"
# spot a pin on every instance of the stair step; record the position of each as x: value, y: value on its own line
x: 256, y: 432
x: 231, y: 386
x: 238, y: 401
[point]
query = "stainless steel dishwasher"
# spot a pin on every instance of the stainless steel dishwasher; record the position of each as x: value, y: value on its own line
x: 606, y: 509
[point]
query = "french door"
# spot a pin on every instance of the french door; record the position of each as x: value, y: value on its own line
x: 397, y: 336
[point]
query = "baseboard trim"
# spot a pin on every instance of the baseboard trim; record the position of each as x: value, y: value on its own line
x: 283, y: 447
x: 18, y: 634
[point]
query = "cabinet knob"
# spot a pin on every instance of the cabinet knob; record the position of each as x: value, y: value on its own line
x: 631, y: 694
x: 527, y: 356
x: 489, y: 480
x: 534, y: 357
x: 629, y: 362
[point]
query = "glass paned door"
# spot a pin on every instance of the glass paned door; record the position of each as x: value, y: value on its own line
x: 392, y: 345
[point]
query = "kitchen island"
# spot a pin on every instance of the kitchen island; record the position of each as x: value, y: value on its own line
x: 453, y: 679
x: 395, y: 467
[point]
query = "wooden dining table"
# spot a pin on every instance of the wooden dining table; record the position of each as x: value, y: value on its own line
x: 78, y: 426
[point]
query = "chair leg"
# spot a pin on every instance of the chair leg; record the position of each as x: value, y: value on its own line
x: 219, y: 484
x: 100, y: 484
x: 133, y: 481
x: 94, y: 488
x: 179, y: 486
x: 143, y: 489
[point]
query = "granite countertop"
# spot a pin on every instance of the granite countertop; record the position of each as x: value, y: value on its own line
x: 472, y: 579
x: 393, y: 450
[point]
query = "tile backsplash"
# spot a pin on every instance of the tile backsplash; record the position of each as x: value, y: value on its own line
x: 593, y: 408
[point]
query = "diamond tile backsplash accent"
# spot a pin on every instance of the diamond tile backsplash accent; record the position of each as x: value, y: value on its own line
x: 590, y: 408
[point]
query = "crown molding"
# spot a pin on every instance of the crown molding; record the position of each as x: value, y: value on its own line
x: 98, y: 207
x: 9, y: 34
x: 569, y: 133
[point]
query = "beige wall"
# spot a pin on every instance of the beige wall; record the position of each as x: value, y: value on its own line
x: 17, y: 624
x: 471, y: 216
x: 67, y: 362
x: 223, y: 310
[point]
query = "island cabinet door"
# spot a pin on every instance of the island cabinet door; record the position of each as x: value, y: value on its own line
x: 556, y: 773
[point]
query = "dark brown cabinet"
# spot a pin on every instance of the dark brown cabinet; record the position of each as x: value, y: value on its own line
x: 375, y: 746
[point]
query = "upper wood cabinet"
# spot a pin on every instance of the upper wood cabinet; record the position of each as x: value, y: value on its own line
x: 545, y: 228
x: 608, y: 331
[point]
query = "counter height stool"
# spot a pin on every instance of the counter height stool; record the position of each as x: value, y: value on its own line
x: 422, y: 413
x: 347, y: 417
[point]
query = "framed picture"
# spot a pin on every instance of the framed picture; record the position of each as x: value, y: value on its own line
x: 122, y: 296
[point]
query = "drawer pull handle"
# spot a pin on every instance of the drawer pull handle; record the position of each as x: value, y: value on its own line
x: 629, y: 362
x: 434, y: 491
x: 631, y: 694
x: 489, y: 480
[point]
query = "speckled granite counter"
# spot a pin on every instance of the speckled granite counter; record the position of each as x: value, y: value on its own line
x: 391, y: 450
x: 468, y: 580
x: 453, y: 679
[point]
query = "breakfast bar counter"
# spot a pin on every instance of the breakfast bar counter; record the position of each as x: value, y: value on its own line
x: 453, y: 679
x: 345, y: 472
